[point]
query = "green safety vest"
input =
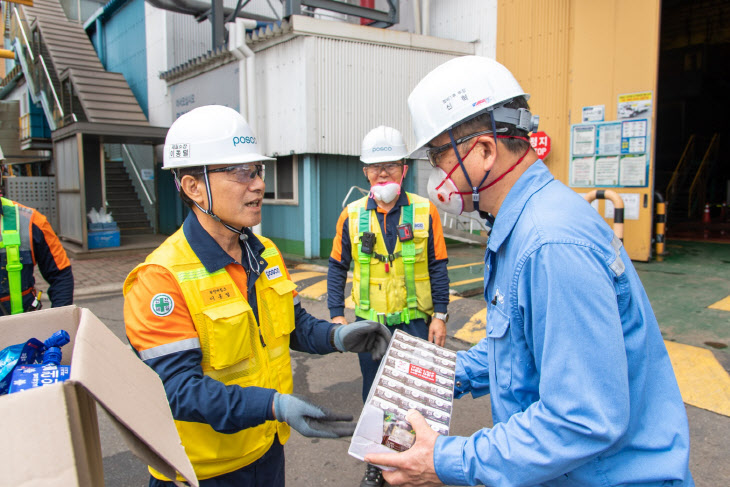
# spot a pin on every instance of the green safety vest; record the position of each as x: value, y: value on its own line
x: 11, y: 243
x: 380, y: 278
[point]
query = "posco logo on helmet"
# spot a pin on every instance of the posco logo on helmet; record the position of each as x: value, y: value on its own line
x: 243, y: 140
x: 382, y: 149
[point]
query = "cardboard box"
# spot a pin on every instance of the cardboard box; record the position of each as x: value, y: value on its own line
x: 51, y: 433
x: 414, y: 374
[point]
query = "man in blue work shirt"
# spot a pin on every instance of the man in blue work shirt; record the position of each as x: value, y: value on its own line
x: 582, y: 389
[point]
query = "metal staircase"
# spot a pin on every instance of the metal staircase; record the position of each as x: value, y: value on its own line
x: 64, y: 73
x: 121, y: 198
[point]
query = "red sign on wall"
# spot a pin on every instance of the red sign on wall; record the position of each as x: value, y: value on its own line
x: 540, y: 141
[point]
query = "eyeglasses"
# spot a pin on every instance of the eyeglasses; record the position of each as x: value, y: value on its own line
x: 433, y: 153
x: 242, y: 173
x: 391, y: 167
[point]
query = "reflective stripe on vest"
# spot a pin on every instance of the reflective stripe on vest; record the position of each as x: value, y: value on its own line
x: 384, y: 299
x: 14, y: 237
x: 233, y: 351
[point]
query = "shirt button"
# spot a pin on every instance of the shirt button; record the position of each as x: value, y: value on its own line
x: 458, y: 383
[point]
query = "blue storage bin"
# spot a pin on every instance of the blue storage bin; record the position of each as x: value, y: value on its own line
x: 103, y: 238
x: 95, y: 227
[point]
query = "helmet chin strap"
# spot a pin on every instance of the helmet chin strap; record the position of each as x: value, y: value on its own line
x: 474, y: 189
x: 253, y: 263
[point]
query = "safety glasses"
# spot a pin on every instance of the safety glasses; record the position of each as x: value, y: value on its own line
x: 434, y: 153
x: 242, y: 173
x: 390, y: 167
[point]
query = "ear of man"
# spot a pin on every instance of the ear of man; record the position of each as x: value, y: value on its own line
x: 194, y: 189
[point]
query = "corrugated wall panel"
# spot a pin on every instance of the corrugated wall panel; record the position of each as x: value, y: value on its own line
x: 466, y: 20
x: 186, y: 38
x: 532, y: 41
x: 281, y: 121
x: 360, y: 86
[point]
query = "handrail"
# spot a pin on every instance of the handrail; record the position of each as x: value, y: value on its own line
x: 22, y: 19
x: 680, y: 165
x: 150, y: 199
x: 364, y: 192
x: 699, y: 179
x: 39, y: 83
x: 50, y: 85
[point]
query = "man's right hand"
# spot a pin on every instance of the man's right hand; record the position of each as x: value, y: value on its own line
x: 340, y: 320
x: 311, y: 420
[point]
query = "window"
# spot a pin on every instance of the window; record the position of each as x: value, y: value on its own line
x: 282, y: 181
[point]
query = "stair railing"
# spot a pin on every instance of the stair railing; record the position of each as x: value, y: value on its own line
x: 38, y: 78
x: 674, y: 180
x: 698, y: 188
x: 138, y: 176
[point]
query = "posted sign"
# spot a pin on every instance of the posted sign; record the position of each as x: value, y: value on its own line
x: 540, y: 141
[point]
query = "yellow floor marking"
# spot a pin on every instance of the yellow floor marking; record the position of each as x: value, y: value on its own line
x: 454, y: 297
x: 475, y: 329
x: 703, y: 382
x: 723, y: 304
x: 349, y: 303
x: 468, y: 281
x: 316, y: 290
x: 300, y: 276
x: 464, y: 265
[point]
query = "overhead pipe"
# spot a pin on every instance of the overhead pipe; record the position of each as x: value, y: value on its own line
x: 246, y: 77
x: 366, y: 4
x: 202, y: 10
x: 416, y: 16
x: 426, y: 17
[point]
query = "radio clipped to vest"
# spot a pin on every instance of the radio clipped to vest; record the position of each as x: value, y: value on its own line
x: 367, y: 243
x: 405, y: 232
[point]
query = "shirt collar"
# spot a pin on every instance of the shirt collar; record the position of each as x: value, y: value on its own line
x: 402, y: 201
x: 532, y: 180
x: 210, y: 253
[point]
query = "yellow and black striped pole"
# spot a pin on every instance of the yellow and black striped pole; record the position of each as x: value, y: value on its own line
x: 660, y: 221
x: 618, y: 208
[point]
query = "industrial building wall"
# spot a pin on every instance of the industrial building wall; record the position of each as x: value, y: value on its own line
x: 360, y: 86
x: 468, y: 21
x: 533, y: 42
x: 570, y: 54
x: 125, y: 50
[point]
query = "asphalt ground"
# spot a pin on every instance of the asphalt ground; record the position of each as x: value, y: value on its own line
x: 334, y: 381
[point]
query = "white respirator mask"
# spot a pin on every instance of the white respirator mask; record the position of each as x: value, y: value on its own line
x: 443, y: 192
x: 385, y: 192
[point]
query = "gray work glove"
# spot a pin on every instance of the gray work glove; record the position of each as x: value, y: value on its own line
x: 311, y: 420
x: 362, y: 336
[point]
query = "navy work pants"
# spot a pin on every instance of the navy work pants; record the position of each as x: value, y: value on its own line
x: 267, y: 471
x: 369, y: 367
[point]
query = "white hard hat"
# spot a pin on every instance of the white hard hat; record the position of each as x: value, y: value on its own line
x: 383, y: 144
x: 458, y: 90
x: 210, y: 135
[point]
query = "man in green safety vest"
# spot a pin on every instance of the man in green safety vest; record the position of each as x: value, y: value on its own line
x: 27, y: 240
x: 397, y: 244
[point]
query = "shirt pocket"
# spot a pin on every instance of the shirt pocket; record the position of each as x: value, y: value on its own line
x: 280, y: 307
x: 500, y: 346
x: 229, y: 334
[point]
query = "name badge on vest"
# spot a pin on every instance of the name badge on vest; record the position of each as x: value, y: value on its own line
x: 419, y: 226
x: 273, y: 273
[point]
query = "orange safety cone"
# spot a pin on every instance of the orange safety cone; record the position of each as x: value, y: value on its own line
x: 706, y: 214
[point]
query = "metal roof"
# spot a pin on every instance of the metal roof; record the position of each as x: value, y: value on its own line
x: 104, y: 96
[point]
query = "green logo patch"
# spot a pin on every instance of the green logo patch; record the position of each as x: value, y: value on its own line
x: 162, y: 304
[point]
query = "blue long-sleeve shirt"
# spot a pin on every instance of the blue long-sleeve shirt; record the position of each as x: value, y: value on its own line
x: 176, y: 357
x: 341, y: 256
x: 582, y: 389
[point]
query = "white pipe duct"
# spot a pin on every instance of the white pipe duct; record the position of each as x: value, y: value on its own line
x: 416, y: 16
x: 426, y: 17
